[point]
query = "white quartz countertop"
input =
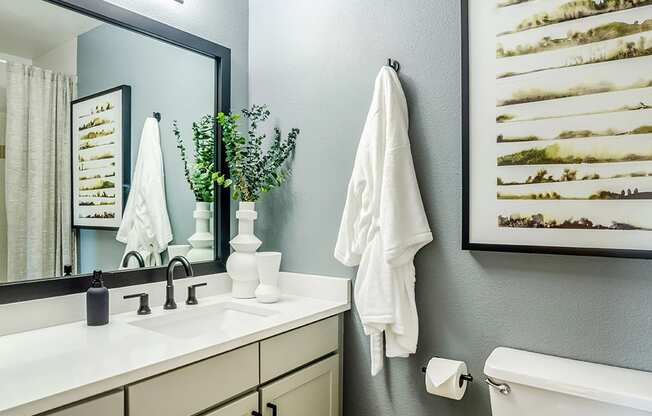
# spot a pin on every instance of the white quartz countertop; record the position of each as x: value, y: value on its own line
x: 46, y: 368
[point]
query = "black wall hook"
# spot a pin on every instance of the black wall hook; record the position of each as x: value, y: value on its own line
x: 394, y: 64
x: 157, y: 116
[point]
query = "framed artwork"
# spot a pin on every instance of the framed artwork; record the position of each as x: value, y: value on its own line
x: 101, y: 162
x: 557, y: 126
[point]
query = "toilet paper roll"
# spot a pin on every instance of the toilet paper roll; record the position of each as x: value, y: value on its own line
x: 443, y: 378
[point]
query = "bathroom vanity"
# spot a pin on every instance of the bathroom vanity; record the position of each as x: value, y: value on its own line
x: 297, y: 371
x: 253, y: 359
x: 128, y: 90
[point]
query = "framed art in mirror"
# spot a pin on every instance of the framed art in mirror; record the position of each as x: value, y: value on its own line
x: 101, y: 158
x: 557, y: 98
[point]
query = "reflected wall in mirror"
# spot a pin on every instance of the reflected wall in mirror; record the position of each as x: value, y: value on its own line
x: 50, y: 57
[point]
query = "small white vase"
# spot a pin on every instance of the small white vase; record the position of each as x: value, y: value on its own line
x: 202, y: 240
x: 241, y: 265
x: 269, y: 264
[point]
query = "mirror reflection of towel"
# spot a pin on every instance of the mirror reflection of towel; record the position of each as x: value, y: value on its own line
x: 145, y: 224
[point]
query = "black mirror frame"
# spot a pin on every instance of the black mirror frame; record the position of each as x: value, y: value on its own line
x: 118, y: 16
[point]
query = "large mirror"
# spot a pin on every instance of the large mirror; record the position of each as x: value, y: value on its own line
x: 91, y: 163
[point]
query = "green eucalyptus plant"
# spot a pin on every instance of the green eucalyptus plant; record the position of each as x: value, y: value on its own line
x: 199, y: 175
x: 253, y: 171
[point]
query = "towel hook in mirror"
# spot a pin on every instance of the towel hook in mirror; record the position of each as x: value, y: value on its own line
x: 157, y: 116
x: 394, y: 64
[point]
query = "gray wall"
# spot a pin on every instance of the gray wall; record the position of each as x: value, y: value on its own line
x: 222, y: 21
x: 173, y: 81
x: 315, y: 63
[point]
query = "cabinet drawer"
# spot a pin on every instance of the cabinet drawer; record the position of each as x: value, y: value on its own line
x: 112, y: 404
x: 240, y: 407
x: 283, y: 353
x: 199, y: 386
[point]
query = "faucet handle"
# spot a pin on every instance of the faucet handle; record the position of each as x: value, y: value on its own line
x: 143, y: 309
x: 192, y: 293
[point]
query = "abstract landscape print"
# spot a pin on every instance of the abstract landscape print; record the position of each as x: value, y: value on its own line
x: 97, y: 146
x: 571, y: 111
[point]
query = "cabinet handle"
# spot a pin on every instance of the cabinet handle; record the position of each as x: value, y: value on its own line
x: 255, y: 413
x: 274, y: 408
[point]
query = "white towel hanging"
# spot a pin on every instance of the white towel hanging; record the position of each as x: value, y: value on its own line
x: 384, y: 224
x: 145, y: 224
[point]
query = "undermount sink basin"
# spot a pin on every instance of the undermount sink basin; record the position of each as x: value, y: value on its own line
x: 221, y: 317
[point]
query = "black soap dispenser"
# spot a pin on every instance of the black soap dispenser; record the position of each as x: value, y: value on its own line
x: 97, y: 301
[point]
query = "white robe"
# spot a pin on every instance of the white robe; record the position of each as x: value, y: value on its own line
x: 145, y: 224
x: 384, y: 225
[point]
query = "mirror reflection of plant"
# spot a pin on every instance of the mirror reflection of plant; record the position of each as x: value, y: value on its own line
x: 252, y: 170
x: 199, y: 174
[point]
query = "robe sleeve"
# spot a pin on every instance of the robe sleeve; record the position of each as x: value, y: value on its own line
x: 404, y: 225
x: 129, y: 214
x: 157, y: 221
x: 357, y: 218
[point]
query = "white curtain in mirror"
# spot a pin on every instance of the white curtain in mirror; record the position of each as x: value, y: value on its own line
x: 3, y: 215
x: 38, y: 191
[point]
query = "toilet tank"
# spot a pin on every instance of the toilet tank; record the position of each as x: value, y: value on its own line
x: 543, y: 385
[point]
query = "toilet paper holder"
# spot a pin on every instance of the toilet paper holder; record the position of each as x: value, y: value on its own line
x: 464, y: 377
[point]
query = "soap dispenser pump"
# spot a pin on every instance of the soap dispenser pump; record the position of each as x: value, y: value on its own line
x: 97, y: 301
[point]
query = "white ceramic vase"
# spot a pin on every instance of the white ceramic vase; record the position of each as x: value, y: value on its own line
x: 201, y: 241
x: 241, y: 265
x: 269, y: 264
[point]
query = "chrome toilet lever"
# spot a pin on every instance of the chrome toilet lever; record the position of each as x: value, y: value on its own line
x: 502, y: 388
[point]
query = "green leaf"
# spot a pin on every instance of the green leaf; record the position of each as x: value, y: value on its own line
x: 255, y: 167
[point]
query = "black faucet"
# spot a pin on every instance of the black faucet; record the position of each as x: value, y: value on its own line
x: 137, y: 255
x: 169, y: 287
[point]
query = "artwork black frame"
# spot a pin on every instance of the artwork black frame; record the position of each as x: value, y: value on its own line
x: 110, y: 13
x: 126, y: 148
x: 466, y: 118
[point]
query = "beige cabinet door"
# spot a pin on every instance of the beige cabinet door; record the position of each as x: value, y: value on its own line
x: 312, y: 391
x: 245, y: 406
x: 112, y: 404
